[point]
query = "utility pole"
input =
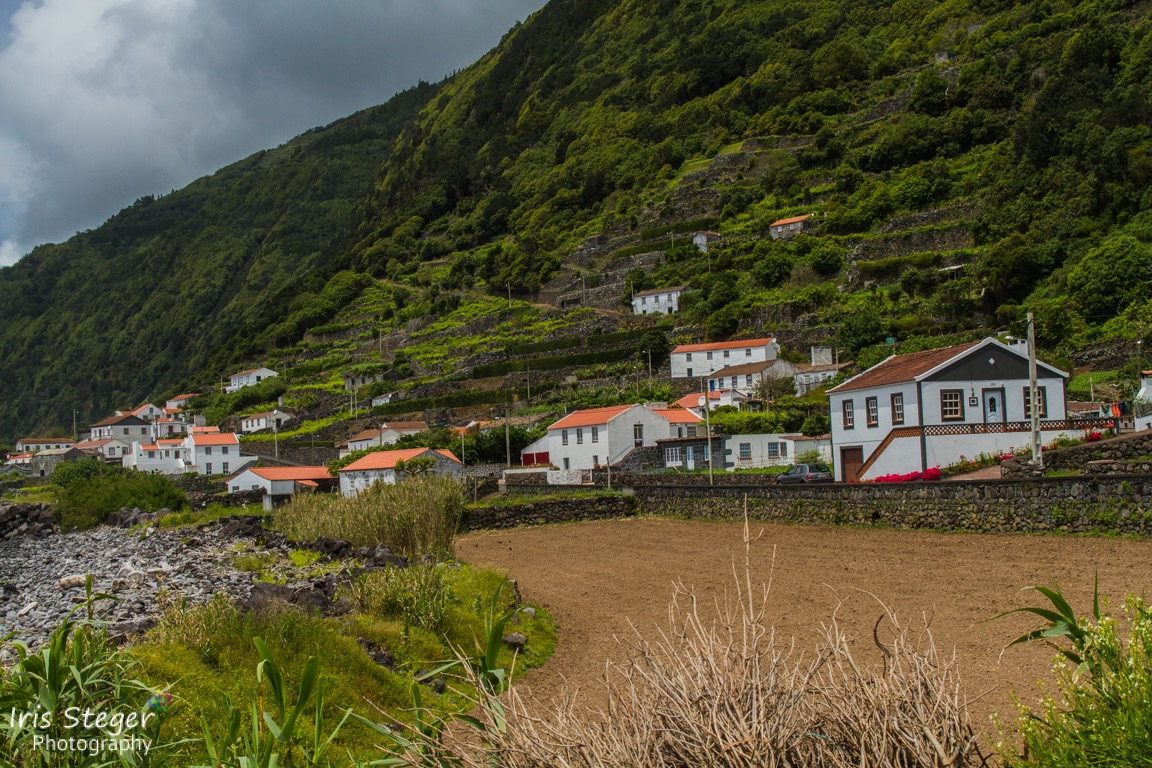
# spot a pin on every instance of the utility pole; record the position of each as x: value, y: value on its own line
x: 1034, y: 409
x: 649, y: 362
x: 507, y: 434
x: 708, y: 433
x: 528, y: 369
x: 76, y: 436
x: 509, y: 287
x: 275, y: 435
x: 1138, y: 372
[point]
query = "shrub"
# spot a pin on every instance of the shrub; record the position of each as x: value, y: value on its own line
x: 88, y: 501
x: 1102, y: 717
x: 415, y: 517
x: 417, y: 595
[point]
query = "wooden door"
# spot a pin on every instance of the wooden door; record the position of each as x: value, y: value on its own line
x: 851, y: 459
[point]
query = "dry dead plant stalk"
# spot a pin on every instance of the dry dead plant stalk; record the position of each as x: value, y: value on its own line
x: 723, y: 692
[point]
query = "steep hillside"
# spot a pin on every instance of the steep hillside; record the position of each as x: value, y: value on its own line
x: 966, y: 162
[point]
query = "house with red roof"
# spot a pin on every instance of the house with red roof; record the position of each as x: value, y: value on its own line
x: 280, y: 484
x: 147, y: 412
x: 783, y: 229
x: 929, y: 409
x: 690, y: 361
x: 386, y: 434
x: 596, y: 437
x: 381, y: 467
x: 214, y: 453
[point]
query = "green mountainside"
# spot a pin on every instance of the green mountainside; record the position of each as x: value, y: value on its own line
x: 966, y: 162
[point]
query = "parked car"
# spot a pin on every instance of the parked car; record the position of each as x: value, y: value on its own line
x: 806, y: 473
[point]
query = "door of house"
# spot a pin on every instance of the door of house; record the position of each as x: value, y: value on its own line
x: 851, y: 460
x: 690, y: 458
x: 993, y: 406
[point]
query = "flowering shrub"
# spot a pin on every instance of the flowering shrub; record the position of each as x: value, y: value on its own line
x: 932, y: 473
x: 1091, y: 437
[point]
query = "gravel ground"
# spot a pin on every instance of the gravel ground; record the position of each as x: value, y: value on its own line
x: 41, y: 580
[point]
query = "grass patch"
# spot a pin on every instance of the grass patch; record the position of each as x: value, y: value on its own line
x: 206, y: 515
x: 412, y: 518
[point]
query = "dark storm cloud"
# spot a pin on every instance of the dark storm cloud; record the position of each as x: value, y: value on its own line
x: 102, y: 101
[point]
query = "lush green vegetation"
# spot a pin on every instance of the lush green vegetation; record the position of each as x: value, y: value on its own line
x: 419, y: 516
x: 1008, y: 141
x: 91, y: 491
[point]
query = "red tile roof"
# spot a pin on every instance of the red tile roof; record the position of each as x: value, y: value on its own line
x: 205, y: 430
x: 289, y: 473
x: 590, y: 417
x: 678, y: 415
x: 388, y: 459
x: 743, y: 368
x: 693, y: 400
x: 222, y: 438
x: 712, y: 346
x: 901, y: 368
x: 793, y: 220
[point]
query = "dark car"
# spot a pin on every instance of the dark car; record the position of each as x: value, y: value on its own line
x: 806, y: 473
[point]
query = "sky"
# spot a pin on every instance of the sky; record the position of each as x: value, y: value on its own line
x: 105, y: 101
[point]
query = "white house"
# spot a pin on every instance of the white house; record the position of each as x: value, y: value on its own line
x: 601, y: 436
x: 387, y: 434
x: 280, y: 484
x: 147, y: 411
x: 790, y: 227
x: 701, y: 360
x: 163, y: 457
x: 19, y: 460
x: 248, y: 378
x: 268, y: 420
x: 702, y: 240
x: 384, y: 399
x: 772, y: 450
x: 928, y: 409
x: 380, y: 467
x: 107, y: 448
x: 125, y: 428
x: 716, y: 399
x: 37, y: 444
x: 214, y: 453
x: 178, y: 403
x: 167, y: 427
x: 747, y: 376
x: 658, y: 301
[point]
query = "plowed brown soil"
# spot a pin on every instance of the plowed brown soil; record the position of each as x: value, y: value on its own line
x: 600, y: 578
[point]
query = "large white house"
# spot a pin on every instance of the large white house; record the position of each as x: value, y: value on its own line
x: 254, y: 422
x: 215, y: 453
x: 37, y: 444
x: 772, y: 450
x: 701, y: 360
x: 125, y: 428
x: 928, y: 409
x: 163, y: 457
x: 658, y: 301
x: 248, y: 378
x: 602, y: 436
x: 380, y: 467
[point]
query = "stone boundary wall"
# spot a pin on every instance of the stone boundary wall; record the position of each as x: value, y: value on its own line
x: 1105, y: 504
x: 1115, y: 451
x: 721, y: 477
x: 549, y: 511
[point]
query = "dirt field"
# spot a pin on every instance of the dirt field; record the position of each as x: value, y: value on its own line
x: 596, y: 577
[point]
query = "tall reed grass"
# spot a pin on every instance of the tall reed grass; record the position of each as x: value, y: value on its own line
x: 416, y: 517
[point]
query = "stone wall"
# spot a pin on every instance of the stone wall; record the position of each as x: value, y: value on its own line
x: 720, y: 478
x: 237, y: 499
x: 291, y: 453
x: 1117, y: 452
x: 1067, y: 504
x: 549, y: 511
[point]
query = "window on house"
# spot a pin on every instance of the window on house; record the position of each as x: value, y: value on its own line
x: 567, y: 464
x: 563, y: 437
x: 691, y: 430
x: 849, y: 414
x: 873, y: 411
x: 748, y: 380
x: 235, y: 489
x: 898, y: 408
x: 638, y: 433
x: 1041, y: 397
x: 689, y: 373
x: 725, y: 354
x: 673, y: 455
x: 748, y: 353
x: 745, y: 451
x: 688, y: 358
x: 952, y: 405
x: 595, y: 434
x: 773, y: 450
x: 643, y: 299
x: 579, y: 436
x: 595, y: 460
x: 208, y: 450
x: 125, y: 430
x: 151, y: 454
x: 720, y: 382
x: 224, y: 450
x: 783, y: 449
x: 224, y: 467
x: 709, y: 355
x: 208, y: 469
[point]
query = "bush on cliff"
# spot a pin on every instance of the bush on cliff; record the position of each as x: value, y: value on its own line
x: 90, y: 492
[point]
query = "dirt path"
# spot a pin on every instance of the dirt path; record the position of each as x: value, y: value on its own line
x: 596, y: 577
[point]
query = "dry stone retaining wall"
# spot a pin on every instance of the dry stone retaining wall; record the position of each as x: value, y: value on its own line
x: 549, y: 511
